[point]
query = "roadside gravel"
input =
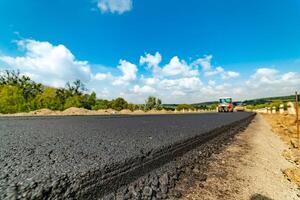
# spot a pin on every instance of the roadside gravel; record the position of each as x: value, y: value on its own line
x: 250, y: 168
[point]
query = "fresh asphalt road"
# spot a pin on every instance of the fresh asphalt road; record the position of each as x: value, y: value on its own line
x: 34, y: 147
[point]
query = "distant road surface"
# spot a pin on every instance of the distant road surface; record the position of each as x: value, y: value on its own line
x: 34, y: 148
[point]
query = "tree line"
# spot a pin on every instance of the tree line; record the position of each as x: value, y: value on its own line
x: 18, y: 93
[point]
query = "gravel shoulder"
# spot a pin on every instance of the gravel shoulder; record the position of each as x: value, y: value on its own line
x: 250, y: 168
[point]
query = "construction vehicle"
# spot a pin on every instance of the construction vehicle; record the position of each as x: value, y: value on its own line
x: 225, y: 104
x: 239, y: 107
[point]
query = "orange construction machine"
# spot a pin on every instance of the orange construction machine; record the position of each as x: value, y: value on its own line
x: 225, y: 104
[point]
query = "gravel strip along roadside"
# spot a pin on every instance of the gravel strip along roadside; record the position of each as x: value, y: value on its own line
x: 250, y: 168
x: 88, y: 157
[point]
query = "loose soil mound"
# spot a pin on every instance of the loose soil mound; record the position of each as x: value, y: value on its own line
x: 43, y: 111
x: 159, y: 112
x: 138, y: 112
x: 126, y: 111
x: 75, y: 111
x: 111, y: 111
x: 153, y: 112
x: 101, y: 112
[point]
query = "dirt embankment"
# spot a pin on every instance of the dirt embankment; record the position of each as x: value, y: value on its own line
x: 250, y: 168
x: 285, y: 127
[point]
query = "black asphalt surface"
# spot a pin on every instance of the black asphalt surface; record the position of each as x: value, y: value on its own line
x: 32, y: 148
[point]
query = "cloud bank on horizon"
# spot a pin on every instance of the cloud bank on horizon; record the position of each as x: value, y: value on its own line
x: 177, y: 81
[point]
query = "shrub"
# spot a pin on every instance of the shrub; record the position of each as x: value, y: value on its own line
x: 101, y: 104
x: 119, y: 104
x: 12, y: 100
x: 73, y: 101
x: 184, y: 107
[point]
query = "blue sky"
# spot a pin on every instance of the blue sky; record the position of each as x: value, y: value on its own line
x: 197, y: 49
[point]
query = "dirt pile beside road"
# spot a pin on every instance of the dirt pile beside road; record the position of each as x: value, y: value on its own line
x: 125, y: 111
x: 138, y: 112
x: 40, y: 112
x: 75, y: 111
x: 285, y: 127
x: 43, y: 111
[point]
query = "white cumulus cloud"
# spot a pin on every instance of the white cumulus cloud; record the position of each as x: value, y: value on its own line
x: 149, y: 81
x: 205, y: 62
x: 268, y: 81
x: 271, y: 78
x: 129, y: 71
x: 101, y: 76
x: 115, y: 6
x: 178, y: 93
x: 49, y: 64
x: 152, y: 61
x: 143, y: 89
x: 218, y: 70
x: 210, y: 70
x: 176, y: 67
x: 229, y: 74
x: 185, y: 84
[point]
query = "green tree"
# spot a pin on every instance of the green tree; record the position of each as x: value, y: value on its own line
x: 89, y: 100
x: 73, y: 101
x: 29, y: 88
x: 92, y: 99
x: 150, y: 103
x: 19, y: 93
x: 132, y: 107
x: 72, y: 95
x: 142, y: 107
x: 61, y: 96
x: 75, y: 88
x: 11, y: 99
x: 119, y: 104
x: 158, y: 105
x: 48, y: 99
x: 101, y: 104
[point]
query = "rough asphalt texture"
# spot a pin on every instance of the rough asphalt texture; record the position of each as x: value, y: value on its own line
x: 164, y: 182
x: 53, y: 156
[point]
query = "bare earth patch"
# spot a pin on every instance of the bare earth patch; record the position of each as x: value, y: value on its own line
x: 285, y: 127
x: 250, y: 168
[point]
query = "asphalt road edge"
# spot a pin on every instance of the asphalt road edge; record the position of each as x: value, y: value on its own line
x: 115, y: 181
